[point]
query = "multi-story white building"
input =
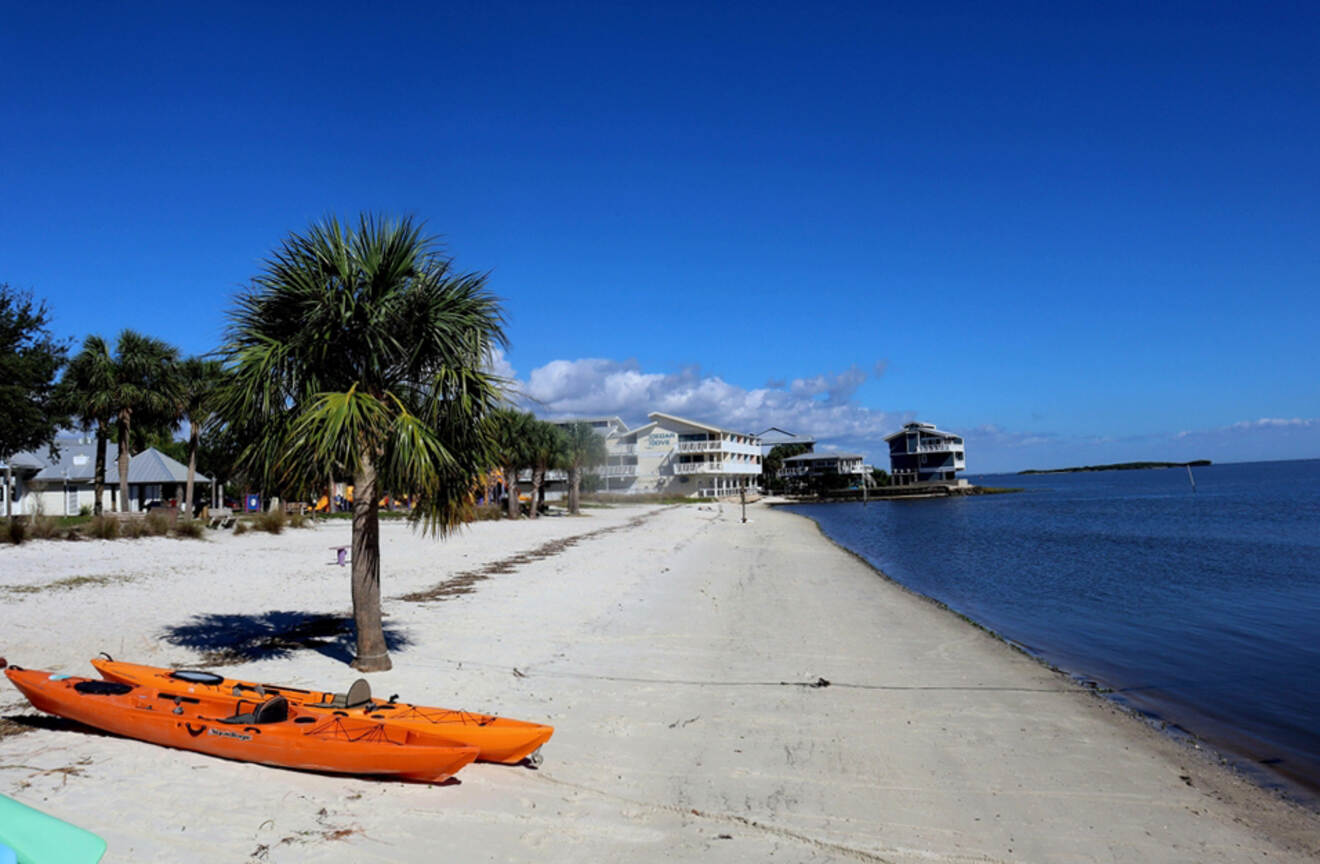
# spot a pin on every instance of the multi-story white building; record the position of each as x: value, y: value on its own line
x: 675, y: 456
x: 808, y: 466
x: 920, y: 453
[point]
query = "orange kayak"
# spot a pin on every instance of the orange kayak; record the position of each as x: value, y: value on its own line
x: 499, y: 739
x: 271, y: 731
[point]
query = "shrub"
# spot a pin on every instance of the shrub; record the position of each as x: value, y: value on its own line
x: 240, y: 527
x: 104, y: 527
x: 16, y: 531
x: 487, y: 513
x: 192, y: 528
x: 272, y: 522
x: 133, y: 529
x: 85, y: 510
x: 297, y: 520
x: 72, y: 534
x: 157, y: 524
x: 42, y: 527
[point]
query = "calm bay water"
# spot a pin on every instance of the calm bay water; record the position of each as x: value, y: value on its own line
x: 1198, y: 608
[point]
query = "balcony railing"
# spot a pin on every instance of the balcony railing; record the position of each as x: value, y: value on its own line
x: 700, y: 446
x: 621, y: 449
x: 617, y: 471
x: 698, y: 467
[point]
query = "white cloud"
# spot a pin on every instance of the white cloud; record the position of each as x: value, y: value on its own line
x: 825, y: 407
x: 837, y: 389
x: 1264, y: 423
x: 820, y: 405
x: 498, y: 364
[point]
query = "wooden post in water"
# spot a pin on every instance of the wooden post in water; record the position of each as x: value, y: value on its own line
x: 1190, y: 477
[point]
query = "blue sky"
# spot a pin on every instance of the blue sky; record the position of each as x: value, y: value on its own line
x: 1072, y: 234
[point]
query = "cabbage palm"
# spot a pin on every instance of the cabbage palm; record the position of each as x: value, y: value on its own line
x: 362, y: 347
x: 584, y: 449
x: 87, y: 392
x: 509, y: 431
x: 547, y: 449
x: 146, y: 387
x: 199, y: 381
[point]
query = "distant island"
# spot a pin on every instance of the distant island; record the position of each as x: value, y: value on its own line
x: 1118, y: 466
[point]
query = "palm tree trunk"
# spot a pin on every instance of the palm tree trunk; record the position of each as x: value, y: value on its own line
x: 372, y: 654
x: 99, y: 478
x: 538, y: 479
x: 194, y: 437
x: 511, y: 490
x: 125, y: 425
x: 574, y: 479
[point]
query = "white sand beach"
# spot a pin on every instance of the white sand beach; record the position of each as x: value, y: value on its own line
x: 672, y: 648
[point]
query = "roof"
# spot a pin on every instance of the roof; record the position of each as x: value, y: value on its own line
x: 153, y: 466
x: 22, y: 462
x: 628, y: 433
x: 76, y: 461
x: 696, y: 423
x: 611, y: 421
x: 811, y: 457
x: 775, y: 435
x: 927, y: 428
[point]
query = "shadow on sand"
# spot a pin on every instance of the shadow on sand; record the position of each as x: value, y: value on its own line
x: 224, y: 640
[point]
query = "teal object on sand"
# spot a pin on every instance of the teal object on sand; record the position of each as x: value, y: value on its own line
x: 38, y: 838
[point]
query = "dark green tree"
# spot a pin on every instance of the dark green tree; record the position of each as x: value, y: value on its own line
x: 30, y: 360
x: 362, y: 347
x: 774, y: 460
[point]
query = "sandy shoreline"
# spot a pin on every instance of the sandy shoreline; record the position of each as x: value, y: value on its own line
x: 672, y: 648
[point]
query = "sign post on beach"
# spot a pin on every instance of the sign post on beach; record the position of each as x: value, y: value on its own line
x: 742, y: 494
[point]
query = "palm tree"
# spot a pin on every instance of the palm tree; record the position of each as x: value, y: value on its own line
x: 362, y: 347
x: 199, y: 381
x: 584, y: 449
x: 509, y: 431
x: 87, y: 392
x: 145, y: 384
x: 546, y: 447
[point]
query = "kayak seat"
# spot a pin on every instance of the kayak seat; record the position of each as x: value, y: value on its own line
x: 359, y: 694
x: 196, y: 676
x: 102, y: 688
x: 273, y: 710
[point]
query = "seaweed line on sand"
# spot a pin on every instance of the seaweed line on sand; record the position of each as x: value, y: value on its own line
x: 68, y: 584
x: 463, y: 582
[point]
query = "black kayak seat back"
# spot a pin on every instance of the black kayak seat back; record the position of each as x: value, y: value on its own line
x: 358, y: 694
x: 273, y: 710
x: 102, y: 688
x: 196, y: 676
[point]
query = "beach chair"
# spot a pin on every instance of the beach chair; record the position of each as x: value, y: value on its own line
x: 222, y: 517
